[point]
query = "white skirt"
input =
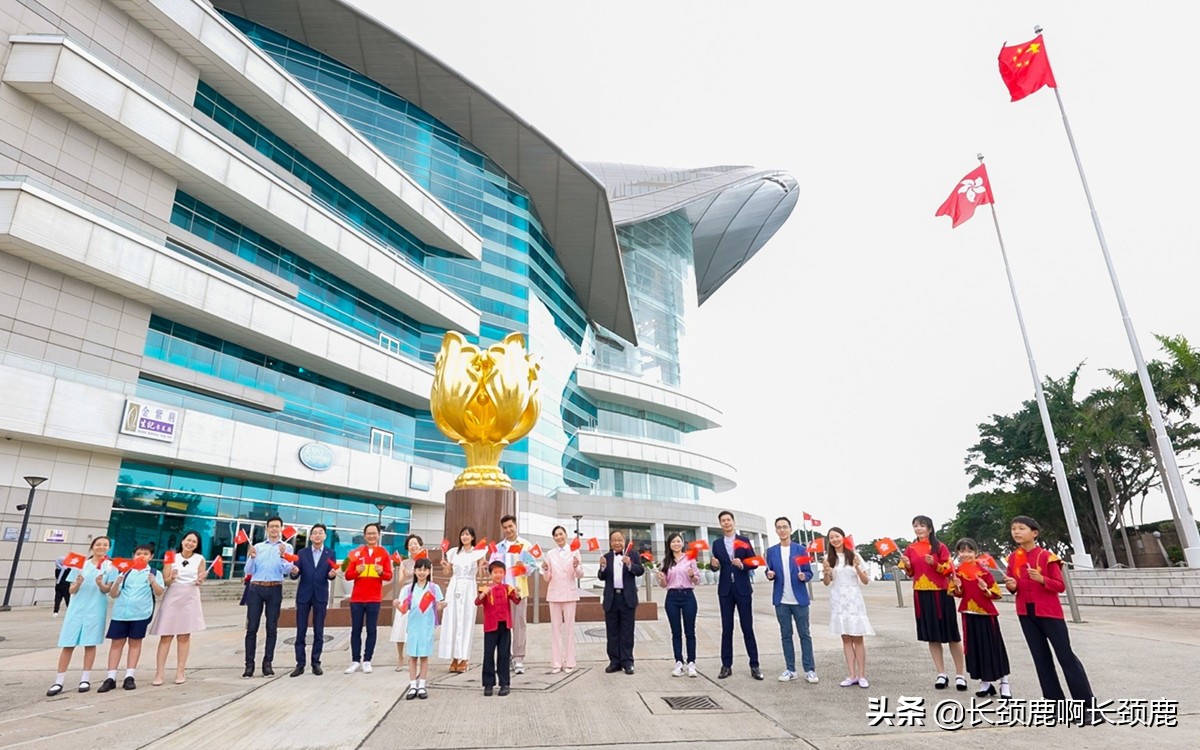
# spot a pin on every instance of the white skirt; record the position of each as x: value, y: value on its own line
x: 399, y: 627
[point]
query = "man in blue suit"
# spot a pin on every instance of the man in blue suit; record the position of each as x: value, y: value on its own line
x: 316, y: 567
x: 734, y: 592
x: 788, y: 567
x: 619, y: 569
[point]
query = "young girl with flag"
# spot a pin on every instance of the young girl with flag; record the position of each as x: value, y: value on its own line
x: 927, y: 563
x: 420, y: 600
x: 404, y: 569
x: 86, y: 617
x: 983, y: 645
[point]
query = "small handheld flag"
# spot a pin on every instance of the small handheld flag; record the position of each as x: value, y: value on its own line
x: 482, y: 544
x: 218, y: 567
x: 885, y: 546
x: 74, y: 560
x: 536, y: 551
x: 817, y: 546
x: 516, y: 548
x: 240, y: 537
x: 519, y: 569
x: 629, y: 548
x: 445, y: 546
x: 292, y: 558
x: 122, y: 564
x: 421, y: 554
x: 593, y: 544
x: 741, y: 544
x: 397, y: 558
x: 699, y: 544
x: 648, y: 556
x: 802, y: 560
x: 491, y: 548
x: 754, y: 562
x: 169, y: 557
x: 968, y: 570
x: 919, y: 548
x: 427, y: 601
x: 692, y: 553
x: 575, y: 544
x: 288, y: 532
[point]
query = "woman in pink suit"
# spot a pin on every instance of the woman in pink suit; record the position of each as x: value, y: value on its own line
x: 562, y: 570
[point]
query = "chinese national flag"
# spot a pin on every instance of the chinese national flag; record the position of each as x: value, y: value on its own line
x: 741, y: 544
x: 575, y: 544
x: 972, y: 191
x: 169, y: 557
x: 404, y: 605
x: 968, y: 571
x: 1025, y: 68
x: 218, y: 567
x: 491, y: 548
x: 536, y: 551
x: 920, y: 548
x: 290, y: 557
x: 593, y: 544
x: 74, y: 560
x: 397, y: 558
x: 289, y: 532
x: 519, y: 569
x: 692, y: 553
x: 885, y: 546
x: 421, y: 554
x: 482, y: 545
x: 850, y: 542
x: 817, y: 546
x: 445, y: 546
x: 754, y: 562
x: 516, y: 549
x: 123, y: 564
x: 1018, y: 560
x: 988, y: 560
x: 427, y: 601
x: 802, y: 560
x: 240, y: 537
x: 629, y: 548
x: 699, y: 544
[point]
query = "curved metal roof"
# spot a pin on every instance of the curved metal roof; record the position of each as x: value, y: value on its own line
x: 571, y: 203
x: 733, y: 210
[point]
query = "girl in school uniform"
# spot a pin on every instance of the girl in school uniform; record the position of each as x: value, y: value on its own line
x: 1034, y: 574
x: 983, y: 645
x: 927, y: 563
x: 180, y: 614
x: 87, y: 615
x: 421, y: 600
x: 412, y: 545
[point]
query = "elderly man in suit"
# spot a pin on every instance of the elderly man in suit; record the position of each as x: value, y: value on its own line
x: 734, y: 592
x: 619, y: 570
x: 316, y: 567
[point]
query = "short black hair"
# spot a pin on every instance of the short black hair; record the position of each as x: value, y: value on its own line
x: 726, y: 513
x: 141, y: 547
x: 506, y: 518
x: 615, y: 531
x: 556, y: 528
x: 966, y: 543
x: 784, y: 518
x: 274, y: 518
x: 376, y: 525
x: 494, y: 565
x: 316, y: 526
x: 1028, y: 521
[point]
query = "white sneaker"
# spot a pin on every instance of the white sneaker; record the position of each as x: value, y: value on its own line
x: 518, y: 668
x: 56, y: 614
x: 811, y: 676
x: 352, y: 668
x: 691, y: 669
x: 366, y: 667
x: 787, y: 676
x: 678, y: 670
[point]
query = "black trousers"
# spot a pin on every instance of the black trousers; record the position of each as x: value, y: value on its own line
x: 497, y: 653
x: 745, y: 616
x: 363, y: 613
x: 1041, y: 633
x: 258, y: 600
x: 618, y: 629
x: 62, y: 594
x: 318, y: 626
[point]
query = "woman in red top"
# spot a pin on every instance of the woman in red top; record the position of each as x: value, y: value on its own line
x: 1035, y: 575
x: 983, y: 645
x: 927, y: 563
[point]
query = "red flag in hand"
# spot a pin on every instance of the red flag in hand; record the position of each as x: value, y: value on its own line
x: 169, y: 557
x: 536, y: 550
x: 754, y: 562
x: 240, y: 537
x: 397, y: 558
x: 445, y: 546
x: 988, y: 560
x: 290, y: 557
x: 972, y: 191
x: 692, y: 553
x: 218, y: 567
x: 629, y: 548
x: 919, y: 548
x: 74, y: 560
x: 421, y: 554
x: 968, y: 571
x: 404, y: 605
x: 1018, y: 560
x: 139, y: 563
x: 885, y: 546
x: 122, y: 564
x: 648, y: 556
x: 288, y: 532
x: 850, y: 542
x: 741, y: 544
x: 593, y: 544
x: 1025, y: 68
x: 427, y: 600
x: 817, y: 546
x: 802, y: 560
x: 516, y: 549
x: 699, y: 544
x: 519, y: 569
x: 575, y: 544
x: 483, y: 544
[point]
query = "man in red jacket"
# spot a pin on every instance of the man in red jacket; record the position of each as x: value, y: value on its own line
x: 369, y: 567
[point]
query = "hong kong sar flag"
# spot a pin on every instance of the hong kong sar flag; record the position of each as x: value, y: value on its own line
x: 972, y: 191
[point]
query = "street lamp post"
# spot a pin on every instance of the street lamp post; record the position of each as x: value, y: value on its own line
x: 381, y: 506
x: 12, y: 574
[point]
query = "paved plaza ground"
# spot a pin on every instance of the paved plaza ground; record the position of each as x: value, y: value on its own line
x: 1130, y: 653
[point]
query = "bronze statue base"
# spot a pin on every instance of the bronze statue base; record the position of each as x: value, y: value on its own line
x: 480, y: 508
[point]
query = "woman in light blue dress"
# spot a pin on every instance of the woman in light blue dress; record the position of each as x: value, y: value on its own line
x: 86, y: 615
x: 421, y: 623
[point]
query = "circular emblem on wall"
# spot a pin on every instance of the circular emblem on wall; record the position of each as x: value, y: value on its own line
x: 316, y: 456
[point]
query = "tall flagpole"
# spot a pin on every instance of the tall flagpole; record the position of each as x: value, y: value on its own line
x: 1192, y: 536
x: 1081, y: 558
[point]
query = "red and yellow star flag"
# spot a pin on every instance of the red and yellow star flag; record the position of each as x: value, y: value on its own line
x: 1025, y: 68
x: 972, y: 191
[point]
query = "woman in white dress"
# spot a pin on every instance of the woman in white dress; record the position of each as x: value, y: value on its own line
x: 463, y: 564
x: 846, y: 573
x: 403, y: 574
x: 180, y: 614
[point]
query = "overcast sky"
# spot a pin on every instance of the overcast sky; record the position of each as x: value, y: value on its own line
x: 854, y: 356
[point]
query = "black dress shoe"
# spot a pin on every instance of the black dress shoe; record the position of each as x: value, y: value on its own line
x: 317, y: 670
x: 299, y: 670
x: 629, y: 669
x: 249, y: 671
x: 108, y: 684
x: 503, y: 691
x: 756, y: 673
x: 487, y: 691
x: 54, y: 690
x: 991, y: 690
x: 267, y: 671
x: 129, y: 684
x: 725, y: 672
x: 612, y: 668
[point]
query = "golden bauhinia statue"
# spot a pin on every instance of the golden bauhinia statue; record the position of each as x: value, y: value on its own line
x: 486, y: 400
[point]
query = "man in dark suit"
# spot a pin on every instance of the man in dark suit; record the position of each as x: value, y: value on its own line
x: 619, y: 570
x: 734, y: 592
x: 316, y: 567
